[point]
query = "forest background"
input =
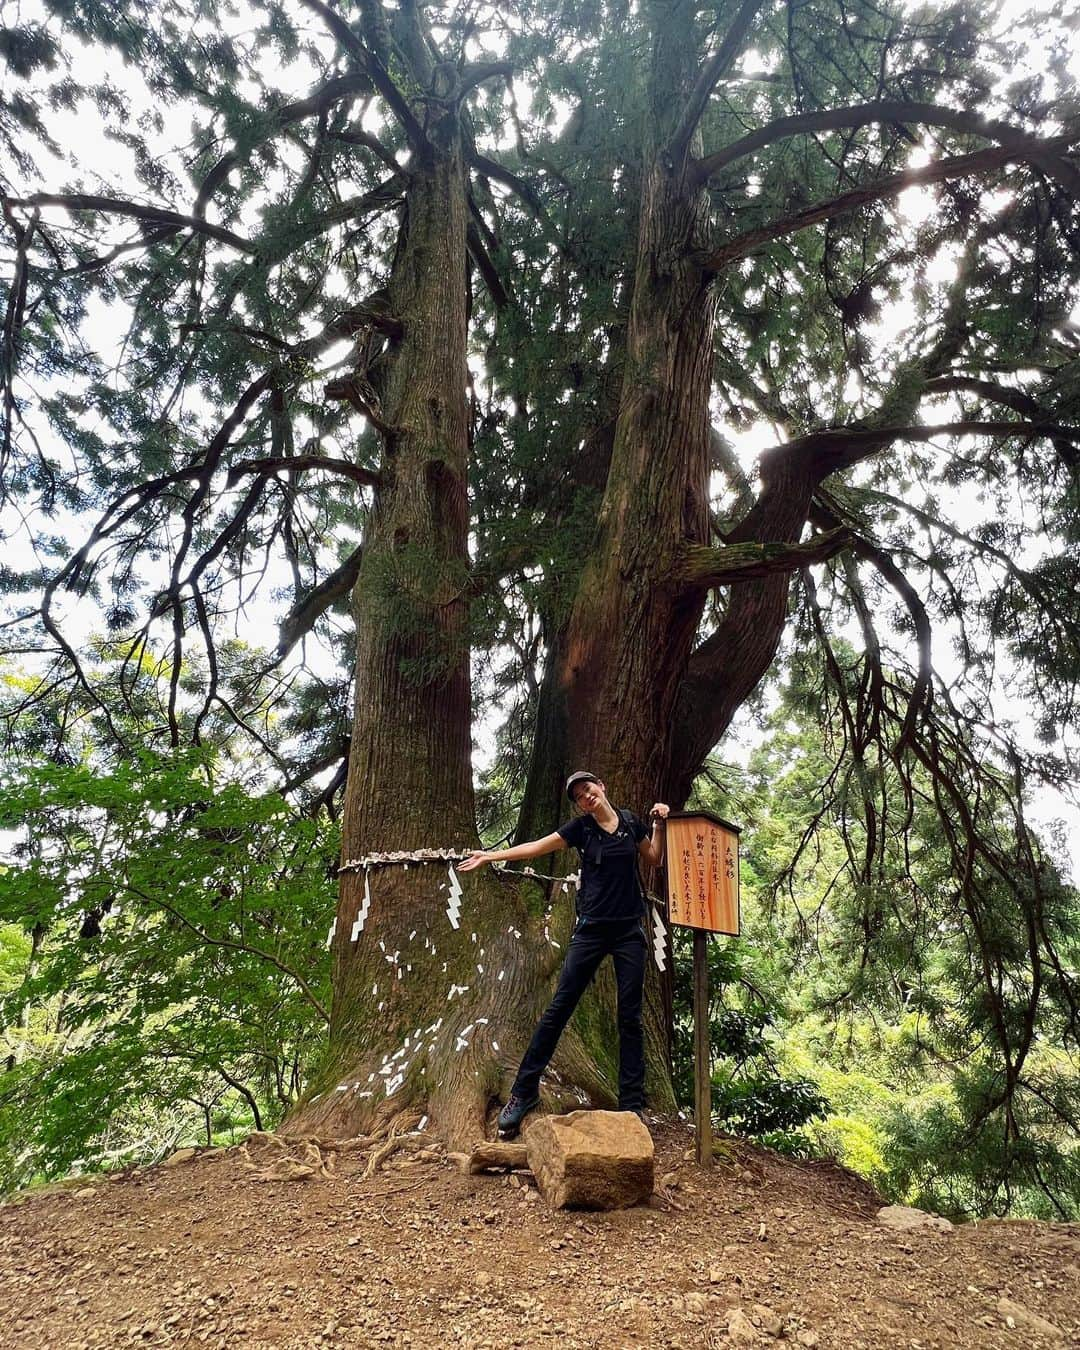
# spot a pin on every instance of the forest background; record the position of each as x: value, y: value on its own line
x: 594, y: 381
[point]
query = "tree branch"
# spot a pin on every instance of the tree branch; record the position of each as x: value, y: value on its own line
x: 117, y: 206
x: 380, y: 77
x: 709, y: 76
x: 301, y: 983
x: 335, y: 755
x: 885, y: 110
x: 840, y: 448
x: 825, y: 515
x: 500, y: 296
x: 955, y: 166
x: 477, y: 74
x: 297, y: 463
x: 490, y: 168
x: 333, y: 91
x: 702, y: 566
x: 300, y: 620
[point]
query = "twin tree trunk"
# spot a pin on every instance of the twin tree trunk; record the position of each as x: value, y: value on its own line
x: 427, y: 1017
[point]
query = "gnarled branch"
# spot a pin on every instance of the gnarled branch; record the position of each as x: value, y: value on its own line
x: 841, y: 447
x: 298, y: 463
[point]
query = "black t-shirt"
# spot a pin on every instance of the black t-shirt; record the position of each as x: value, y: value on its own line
x: 609, y: 883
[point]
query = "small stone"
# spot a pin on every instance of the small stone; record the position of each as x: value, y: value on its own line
x: 182, y: 1155
x: 771, y: 1322
x: 807, y: 1338
x: 716, y: 1275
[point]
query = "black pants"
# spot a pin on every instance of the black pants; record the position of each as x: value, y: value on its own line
x: 626, y: 944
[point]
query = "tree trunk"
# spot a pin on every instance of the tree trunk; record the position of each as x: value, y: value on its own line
x: 616, y: 674
x: 426, y: 1017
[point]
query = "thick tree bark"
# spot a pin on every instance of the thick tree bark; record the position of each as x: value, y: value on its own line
x: 427, y: 1017
x: 614, y: 675
x: 409, y: 783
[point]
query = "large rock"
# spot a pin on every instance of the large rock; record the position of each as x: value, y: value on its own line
x: 182, y: 1155
x: 591, y: 1159
x: 908, y: 1220
x: 1016, y: 1315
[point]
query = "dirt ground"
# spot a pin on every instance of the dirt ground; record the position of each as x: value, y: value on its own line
x: 420, y: 1254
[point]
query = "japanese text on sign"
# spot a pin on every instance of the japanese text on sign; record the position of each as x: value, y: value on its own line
x: 703, y: 873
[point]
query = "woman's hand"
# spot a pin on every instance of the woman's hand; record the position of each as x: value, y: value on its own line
x: 659, y: 812
x: 474, y: 860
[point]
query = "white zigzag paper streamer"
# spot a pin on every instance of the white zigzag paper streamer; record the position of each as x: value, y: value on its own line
x: 453, y: 909
x: 361, y: 918
x: 330, y: 935
x: 659, y: 940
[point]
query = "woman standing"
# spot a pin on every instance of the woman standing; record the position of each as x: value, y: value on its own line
x: 610, y: 909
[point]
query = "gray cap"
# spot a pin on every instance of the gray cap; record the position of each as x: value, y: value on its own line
x: 582, y: 776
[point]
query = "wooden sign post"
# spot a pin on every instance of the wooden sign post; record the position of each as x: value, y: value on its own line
x: 703, y: 894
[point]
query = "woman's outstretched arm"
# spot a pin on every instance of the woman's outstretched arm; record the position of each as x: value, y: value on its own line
x: 535, y: 848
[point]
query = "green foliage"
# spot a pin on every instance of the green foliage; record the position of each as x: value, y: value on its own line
x: 877, y: 994
x: 161, y: 966
x: 751, y: 1095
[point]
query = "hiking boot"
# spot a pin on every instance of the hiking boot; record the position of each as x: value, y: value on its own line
x: 514, y: 1112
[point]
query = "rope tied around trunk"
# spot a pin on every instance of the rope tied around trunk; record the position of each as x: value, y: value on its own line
x: 423, y: 856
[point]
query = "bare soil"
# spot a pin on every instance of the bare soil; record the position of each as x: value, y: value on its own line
x: 421, y: 1254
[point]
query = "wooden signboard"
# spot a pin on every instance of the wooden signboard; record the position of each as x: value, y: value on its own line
x: 703, y: 872
x: 702, y: 862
